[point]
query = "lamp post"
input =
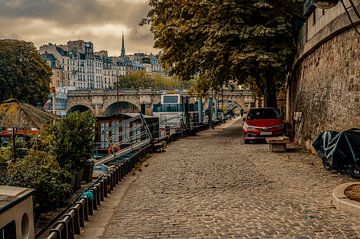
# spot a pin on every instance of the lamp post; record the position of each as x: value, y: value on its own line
x: 14, y: 142
x: 326, y: 4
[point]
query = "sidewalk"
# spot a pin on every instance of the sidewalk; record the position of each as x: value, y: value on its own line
x: 213, y: 186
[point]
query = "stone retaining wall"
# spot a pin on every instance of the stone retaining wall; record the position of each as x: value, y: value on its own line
x: 326, y: 88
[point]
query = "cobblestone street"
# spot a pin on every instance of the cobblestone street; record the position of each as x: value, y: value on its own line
x: 213, y: 186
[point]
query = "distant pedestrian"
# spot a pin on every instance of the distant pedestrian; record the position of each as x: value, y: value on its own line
x: 242, y: 112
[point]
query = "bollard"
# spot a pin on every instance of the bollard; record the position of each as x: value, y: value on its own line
x: 119, y: 171
x: 103, y: 181
x: 108, y: 180
x: 125, y: 168
x: 85, y: 202
x: 91, y: 207
x: 54, y: 234
x: 74, y: 215
x: 61, y: 229
x: 81, y: 212
x: 113, y: 178
x: 132, y: 160
x: 102, y: 191
x: 69, y: 226
x: 128, y: 166
x: 97, y: 187
x: 94, y: 204
x: 122, y: 170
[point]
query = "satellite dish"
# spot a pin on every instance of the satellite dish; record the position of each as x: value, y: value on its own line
x: 325, y: 4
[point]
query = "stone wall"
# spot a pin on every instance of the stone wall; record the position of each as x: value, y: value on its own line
x: 326, y: 88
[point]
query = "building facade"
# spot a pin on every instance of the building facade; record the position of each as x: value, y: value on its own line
x: 83, y: 69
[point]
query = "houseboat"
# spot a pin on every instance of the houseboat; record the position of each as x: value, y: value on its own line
x: 175, y: 113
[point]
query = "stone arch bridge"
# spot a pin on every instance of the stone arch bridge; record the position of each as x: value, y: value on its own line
x: 104, y: 103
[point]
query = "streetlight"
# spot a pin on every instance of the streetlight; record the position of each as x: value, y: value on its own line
x: 326, y: 4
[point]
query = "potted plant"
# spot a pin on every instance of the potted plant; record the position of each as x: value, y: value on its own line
x: 88, y: 170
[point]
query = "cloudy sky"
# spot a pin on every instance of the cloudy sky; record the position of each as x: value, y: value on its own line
x: 57, y: 21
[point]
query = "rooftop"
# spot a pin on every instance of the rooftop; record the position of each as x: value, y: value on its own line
x: 9, y: 196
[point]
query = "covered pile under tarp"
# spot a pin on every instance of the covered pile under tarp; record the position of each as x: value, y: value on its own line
x: 14, y: 114
x: 339, y: 149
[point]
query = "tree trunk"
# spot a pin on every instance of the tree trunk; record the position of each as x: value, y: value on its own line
x: 269, y: 93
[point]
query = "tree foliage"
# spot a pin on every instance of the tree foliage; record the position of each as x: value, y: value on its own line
x: 249, y: 41
x: 141, y: 79
x: 40, y: 171
x: 71, y: 140
x: 22, y: 73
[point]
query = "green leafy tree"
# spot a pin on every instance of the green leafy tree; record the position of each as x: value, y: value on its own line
x: 248, y: 41
x: 72, y: 140
x: 23, y: 75
x: 40, y: 171
x: 141, y: 79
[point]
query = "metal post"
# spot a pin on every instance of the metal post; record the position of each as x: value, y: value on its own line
x: 54, y: 102
x: 14, y: 139
x: 187, y: 115
x: 143, y: 107
x: 210, y: 108
x: 222, y: 98
x: 117, y: 94
x: 216, y: 108
x: 200, y: 109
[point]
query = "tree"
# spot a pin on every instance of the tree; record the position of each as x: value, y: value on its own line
x: 40, y: 171
x: 248, y: 41
x: 72, y: 140
x: 141, y: 79
x: 23, y: 75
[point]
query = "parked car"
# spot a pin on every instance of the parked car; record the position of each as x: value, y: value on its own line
x: 261, y: 123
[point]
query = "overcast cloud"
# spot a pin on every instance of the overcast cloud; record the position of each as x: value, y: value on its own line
x: 57, y: 21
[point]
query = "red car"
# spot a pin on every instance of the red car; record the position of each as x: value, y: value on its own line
x: 261, y: 123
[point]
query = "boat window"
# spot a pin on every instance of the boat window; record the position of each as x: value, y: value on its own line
x: 8, y: 231
x: 171, y: 99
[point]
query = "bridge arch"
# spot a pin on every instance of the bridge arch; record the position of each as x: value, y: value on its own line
x: 78, y: 108
x: 121, y: 107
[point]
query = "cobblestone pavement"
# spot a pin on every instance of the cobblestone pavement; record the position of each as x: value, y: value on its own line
x: 213, y: 186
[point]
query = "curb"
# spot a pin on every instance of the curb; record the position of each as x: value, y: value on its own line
x: 341, y: 202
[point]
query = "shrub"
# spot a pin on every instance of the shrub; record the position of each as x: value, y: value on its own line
x: 72, y: 140
x: 40, y: 171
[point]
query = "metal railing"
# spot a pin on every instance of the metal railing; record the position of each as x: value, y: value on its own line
x: 70, y: 222
x: 73, y: 219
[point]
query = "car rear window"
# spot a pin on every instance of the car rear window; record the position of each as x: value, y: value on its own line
x: 263, y: 113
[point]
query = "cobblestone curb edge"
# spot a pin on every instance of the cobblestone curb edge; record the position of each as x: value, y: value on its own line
x: 341, y: 202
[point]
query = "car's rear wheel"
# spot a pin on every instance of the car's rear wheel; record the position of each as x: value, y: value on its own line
x: 246, y: 141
